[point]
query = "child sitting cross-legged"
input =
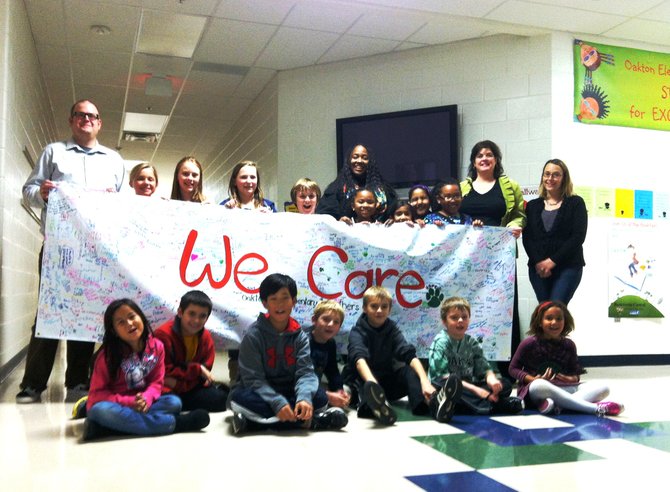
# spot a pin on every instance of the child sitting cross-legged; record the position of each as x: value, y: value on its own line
x: 125, y: 395
x: 382, y: 364
x: 455, y: 353
x: 189, y: 355
x: 278, y: 386
x: 328, y: 318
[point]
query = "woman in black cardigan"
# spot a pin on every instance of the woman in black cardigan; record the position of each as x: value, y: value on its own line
x: 554, y: 235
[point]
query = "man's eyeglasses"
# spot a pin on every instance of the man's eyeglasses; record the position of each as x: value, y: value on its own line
x: 86, y: 116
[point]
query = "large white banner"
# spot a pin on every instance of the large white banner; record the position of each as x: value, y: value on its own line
x: 103, y: 246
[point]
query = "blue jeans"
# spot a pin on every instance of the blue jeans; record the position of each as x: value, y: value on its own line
x: 160, y: 419
x: 560, y: 286
x: 251, y: 405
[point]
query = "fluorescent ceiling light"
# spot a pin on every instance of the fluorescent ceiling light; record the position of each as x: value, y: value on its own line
x: 144, y: 122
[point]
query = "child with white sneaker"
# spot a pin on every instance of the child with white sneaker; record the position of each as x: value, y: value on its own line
x: 381, y: 364
x: 327, y: 318
x: 548, y: 371
x: 277, y: 386
x: 455, y: 353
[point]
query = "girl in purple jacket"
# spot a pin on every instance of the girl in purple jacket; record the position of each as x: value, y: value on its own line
x: 548, y: 371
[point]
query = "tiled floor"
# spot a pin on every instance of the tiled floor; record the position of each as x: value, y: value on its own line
x: 40, y: 449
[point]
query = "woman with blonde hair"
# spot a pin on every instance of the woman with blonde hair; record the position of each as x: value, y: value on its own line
x: 554, y: 234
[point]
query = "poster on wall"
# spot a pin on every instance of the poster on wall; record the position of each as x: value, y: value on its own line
x: 104, y: 246
x: 621, y: 86
x: 637, y: 270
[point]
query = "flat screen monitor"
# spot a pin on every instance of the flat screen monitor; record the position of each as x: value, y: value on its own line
x: 410, y: 147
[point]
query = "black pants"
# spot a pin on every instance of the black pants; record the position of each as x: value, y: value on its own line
x: 401, y: 382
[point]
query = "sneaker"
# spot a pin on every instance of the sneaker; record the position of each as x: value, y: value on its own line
x: 510, y: 405
x: 76, y: 393
x: 333, y: 418
x: 609, y: 408
x: 443, y: 402
x: 192, y: 421
x: 375, y: 399
x: 239, y: 423
x: 93, y: 430
x: 546, y: 406
x: 79, y: 408
x: 28, y: 395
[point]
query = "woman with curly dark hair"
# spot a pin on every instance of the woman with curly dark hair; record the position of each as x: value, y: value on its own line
x: 359, y: 171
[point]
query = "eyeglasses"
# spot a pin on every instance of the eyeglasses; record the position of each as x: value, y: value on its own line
x: 552, y: 175
x: 86, y: 116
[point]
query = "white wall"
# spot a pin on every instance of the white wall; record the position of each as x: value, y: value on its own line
x: 23, y: 123
x: 613, y: 157
x: 500, y: 97
x: 254, y: 137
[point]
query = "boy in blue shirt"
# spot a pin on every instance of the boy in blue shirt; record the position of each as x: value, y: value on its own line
x: 278, y: 386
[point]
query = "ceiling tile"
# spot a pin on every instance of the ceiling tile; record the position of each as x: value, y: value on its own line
x: 180, y: 125
x: 233, y: 42
x: 137, y: 151
x: 211, y: 84
x: 180, y: 144
x: 456, y: 7
x: 355, y: 47
x: 439, y: 31
x: 323, y: 16
x: 54, y: 61
x: 621, y: 7
x: 97, y: 68
x: 642, y: 30
x: 104, y: 97
x: 138, y: 102
x: 111, y: 129
x: 254, y: 82
x: 265, y: 11
x: 197, y: 7
x: 62, y: 97
x: 47, y: 21
x: 661, y: 11
x: 291, y: 48
x: 122, y: 20
x: 175, y: 68
x: 552, y: 17
x: 220, y: 108
x: 387, y: 24
x: 169, y: 34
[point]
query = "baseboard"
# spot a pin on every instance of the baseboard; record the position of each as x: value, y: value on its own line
x: 12, y: 364
x: 625, y: 360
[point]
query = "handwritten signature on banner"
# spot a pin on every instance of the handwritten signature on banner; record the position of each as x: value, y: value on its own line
x: 102, y: 246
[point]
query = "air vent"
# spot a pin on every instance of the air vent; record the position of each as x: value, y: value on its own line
x: 140, y: 137
x: 221, y: 68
